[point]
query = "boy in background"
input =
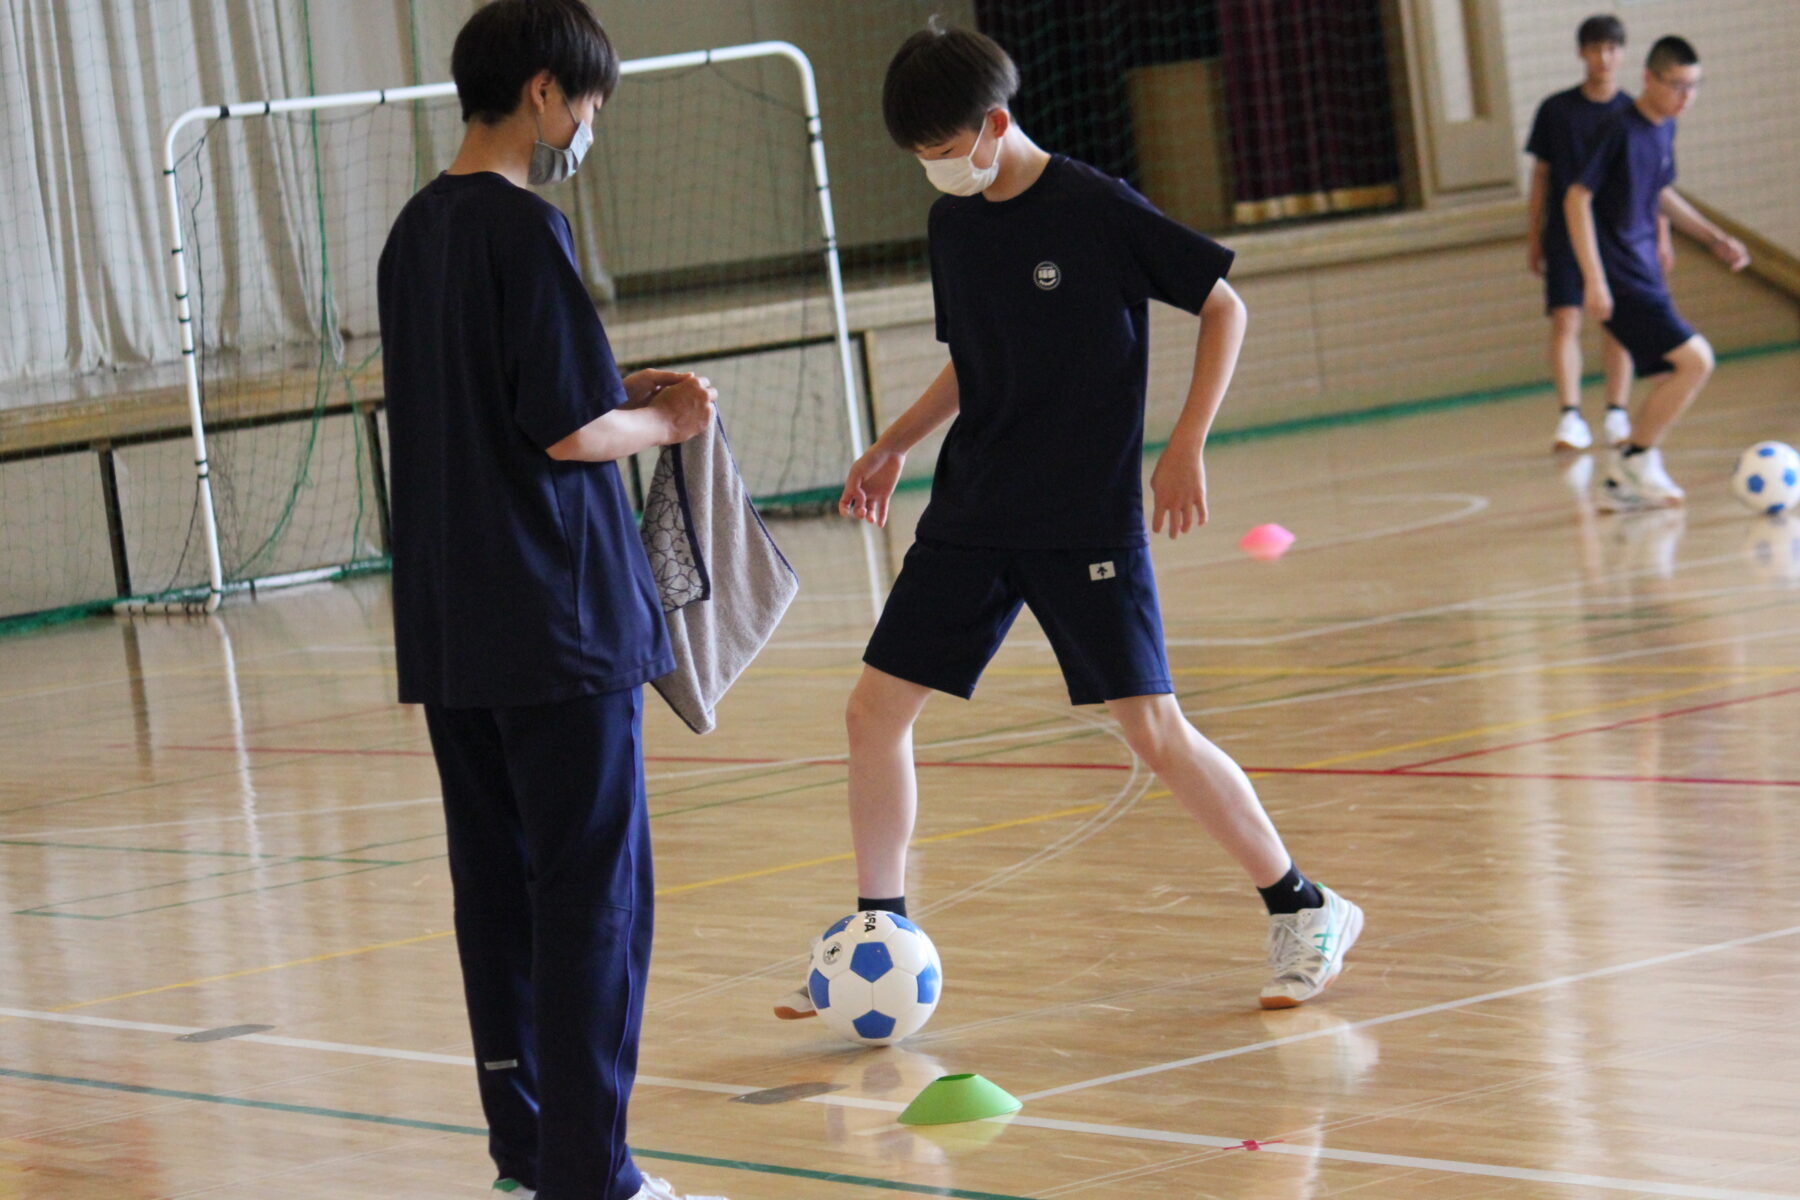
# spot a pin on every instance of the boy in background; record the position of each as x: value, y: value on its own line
x: 1613, y: 207
x: 1042, y: 269
x: 1561, y: 138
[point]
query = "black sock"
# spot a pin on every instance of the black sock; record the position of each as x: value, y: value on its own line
x: 897, y: 905
x: 1571, y: 408
x: 1632, y: 450
x: 1291, y: 893
x: 1615, y: 408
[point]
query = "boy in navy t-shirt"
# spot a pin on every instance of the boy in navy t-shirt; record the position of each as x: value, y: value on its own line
x: 1613, y: 205
x: 1560, y: 138
x: 525, y: 617
x: 1042, y: 269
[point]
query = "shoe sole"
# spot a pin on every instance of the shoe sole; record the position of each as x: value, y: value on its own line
x: 789, y: 1013
x: 1353, y: 931
x: 1561, y: 445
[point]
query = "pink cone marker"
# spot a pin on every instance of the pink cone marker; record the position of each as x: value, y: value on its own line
x: 1266, y: 542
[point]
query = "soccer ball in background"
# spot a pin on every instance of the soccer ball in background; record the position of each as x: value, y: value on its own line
x: 1767, y: 479
x: 875, y: 978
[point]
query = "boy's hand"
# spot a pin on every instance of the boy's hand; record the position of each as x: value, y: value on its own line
x: 687, y: 405
x: 871, y: 484
x: 1598, y: 303
x: 1534, y: 256
x: 1179, y: 487
x: 641, y: 386
x: 1731, y: 252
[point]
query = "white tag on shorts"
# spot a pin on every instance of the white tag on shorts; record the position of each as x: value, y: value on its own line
x: 1101, y: 570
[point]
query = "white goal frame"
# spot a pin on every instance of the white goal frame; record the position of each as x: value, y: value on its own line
x: 207, y: 597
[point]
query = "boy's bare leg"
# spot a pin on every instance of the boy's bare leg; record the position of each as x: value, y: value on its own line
x: 1693, y: 363
x: 1565, y: 355
x: 884, y: 792
x: 1618, y: 374
x: 1207, y: 782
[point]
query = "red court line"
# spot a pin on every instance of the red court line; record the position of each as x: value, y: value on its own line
x: 1375, y: 772
x: 1573, y: 733
x: 1404, y: 773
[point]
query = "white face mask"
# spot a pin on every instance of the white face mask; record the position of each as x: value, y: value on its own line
x: 551, y: 164
x: 960, y: 176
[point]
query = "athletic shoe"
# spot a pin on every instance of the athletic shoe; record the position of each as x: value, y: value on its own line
x: 1572, y: 432
x: 659, y: 1189
x: 1639, y: 482
x: 1617, y: 426
x: 1307, y: 949
x: 796, y: 1005
x: 514, y: 1188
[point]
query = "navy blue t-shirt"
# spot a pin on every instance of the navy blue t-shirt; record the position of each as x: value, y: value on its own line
x: 1562, y: 137
x: 518, y: 579
x: 1042, y: 299
x: 1631, y: 163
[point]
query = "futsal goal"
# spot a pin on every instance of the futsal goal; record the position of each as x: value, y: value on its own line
x: 704, y: 220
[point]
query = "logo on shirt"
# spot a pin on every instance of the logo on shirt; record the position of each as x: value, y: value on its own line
x: 1046, y: 275
x: 1099, y: 571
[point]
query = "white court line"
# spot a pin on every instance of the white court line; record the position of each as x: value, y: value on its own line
x: 297, y: 812
x: 1427, y: 1010
x: 1126, y: 1132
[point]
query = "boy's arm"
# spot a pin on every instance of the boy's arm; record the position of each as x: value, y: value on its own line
x: 674, y: 413
x: 1578, y: 210
x: 1665, y: 245
x: 1671, y: 204
x: 1534, y: 206
x: 1179, y: 482
x: 875, y: 475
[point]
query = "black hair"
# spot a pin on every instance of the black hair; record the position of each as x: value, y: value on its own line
x: 1601, y: 29
x: 942, y: 82
x: 1672, y: 52
x: 507, y: 42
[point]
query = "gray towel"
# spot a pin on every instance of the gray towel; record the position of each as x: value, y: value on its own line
x: 724, y: 582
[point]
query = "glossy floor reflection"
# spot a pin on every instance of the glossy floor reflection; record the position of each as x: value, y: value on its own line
x: 1549, y: 750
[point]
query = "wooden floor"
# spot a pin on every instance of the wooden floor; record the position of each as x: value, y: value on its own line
x: 1551, y: 753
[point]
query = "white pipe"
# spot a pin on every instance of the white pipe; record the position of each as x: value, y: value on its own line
x: 432, y: 91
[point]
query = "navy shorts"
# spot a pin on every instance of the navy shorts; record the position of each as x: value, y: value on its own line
x: 1648, y: 327
x: 1562, y: 280
x: 952, y: 606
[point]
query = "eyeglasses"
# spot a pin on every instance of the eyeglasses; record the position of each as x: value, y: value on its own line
x: 1680, y: 89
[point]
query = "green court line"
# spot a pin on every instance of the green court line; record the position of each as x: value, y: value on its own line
x: 265, y: 858
x: 338, y: 1114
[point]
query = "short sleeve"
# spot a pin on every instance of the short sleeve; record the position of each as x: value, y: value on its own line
x: 1603, y: 157
x: 938, y: 299
x: 557, y: 358
x: 1542, y: 142
x: 1160, y: 258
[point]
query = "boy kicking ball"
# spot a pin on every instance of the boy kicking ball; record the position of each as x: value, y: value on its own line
x: 1041, y: 271
x: 1613, y: 207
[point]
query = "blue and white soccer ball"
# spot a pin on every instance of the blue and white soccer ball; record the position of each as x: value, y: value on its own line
x: 1767, y: 479
x: 875, y: 978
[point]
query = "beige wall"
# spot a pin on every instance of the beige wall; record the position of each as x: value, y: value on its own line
x: 1739, y: 148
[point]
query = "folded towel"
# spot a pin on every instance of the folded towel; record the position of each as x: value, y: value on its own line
x: 723, y: 581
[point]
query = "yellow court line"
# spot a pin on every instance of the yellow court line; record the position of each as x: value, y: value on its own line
x: 298, y: 962
x: 668, y: 891
x: 1508, y: 726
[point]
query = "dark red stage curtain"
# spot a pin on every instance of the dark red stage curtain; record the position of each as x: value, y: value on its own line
x: 1311, y: 111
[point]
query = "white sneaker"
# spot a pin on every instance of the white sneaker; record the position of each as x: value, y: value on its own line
x: 659, y: 1189
x: 1572, y: 432
x: 1639, y: 482
x: 1307, y: 949
x: 1617, y: 426
x: 796, y: 1005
